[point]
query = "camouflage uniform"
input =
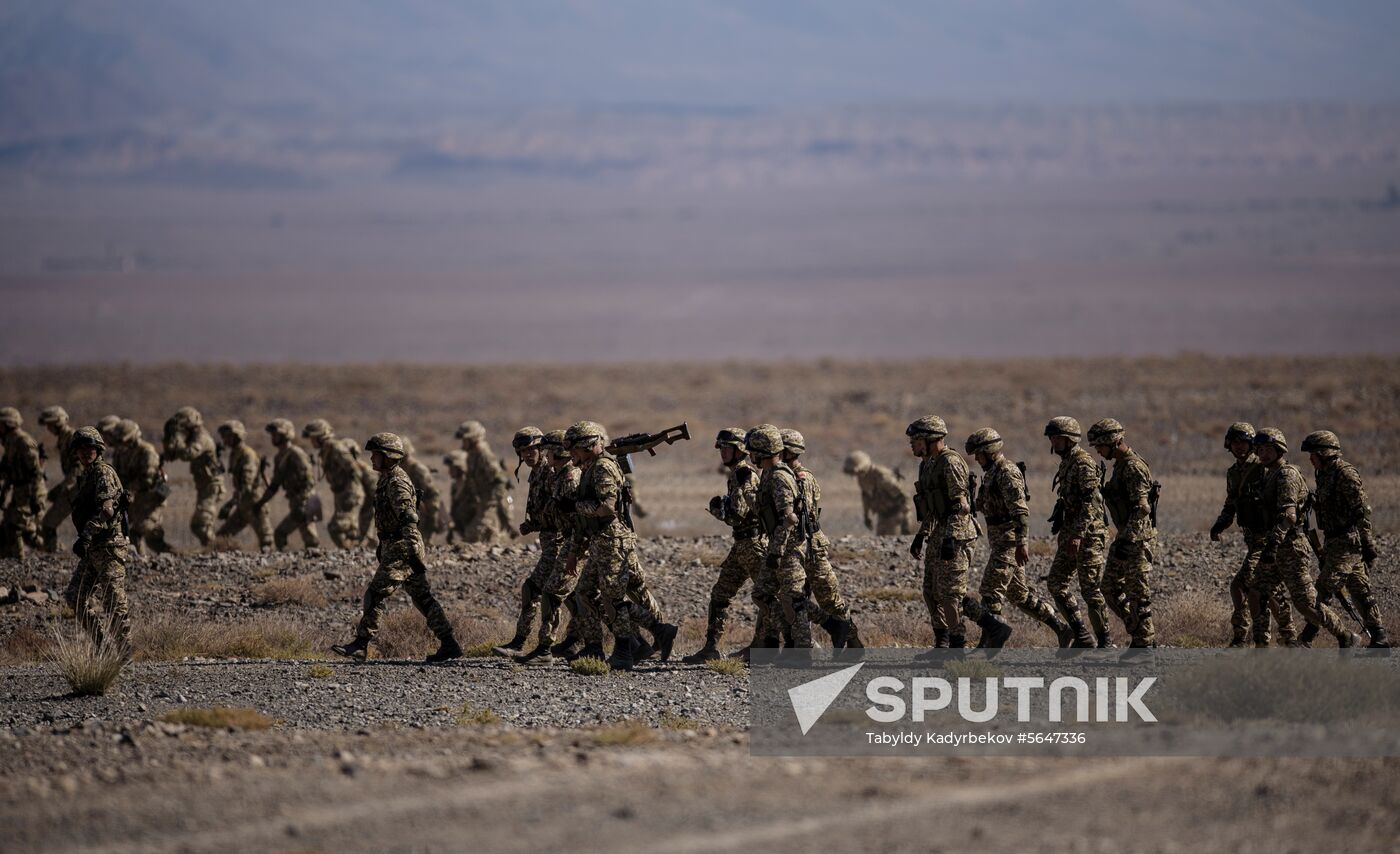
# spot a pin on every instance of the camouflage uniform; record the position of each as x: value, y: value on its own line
x: 1127, y: 576
x: 744, y: 560
x: 459, y: 513
x: 831, y: 612
x: 557, y: 591
x: 245, y: 470
x: 22, y: 476
x: 486, y: 486
x: 537, y: 520
x: 430, y: 517
x: 943, y: 503
x: 338, y: 458
x: 138, y: 465
x: 98, y: 586
x: 60, y: 501
x: 186, y: 440
x: 1003, y: 504
x: 781, y: 582
x: 610, y: 546
x: 291, y: 473
x: 1078, y: 515
x: 1344, y: 517
x: 880, y: 495
x: 369, y: 481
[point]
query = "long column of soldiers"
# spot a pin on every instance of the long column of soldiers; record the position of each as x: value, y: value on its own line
x: 579, y: 502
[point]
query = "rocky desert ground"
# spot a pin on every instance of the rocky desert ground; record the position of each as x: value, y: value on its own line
x: 485, y: 755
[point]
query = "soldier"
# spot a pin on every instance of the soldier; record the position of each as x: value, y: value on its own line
x: 137, y: 463
x: 1004, y: 502
x: 245, y: 470
x: 780, y: 585
x: 458, y: 511
x: 400, y: 555
x: 337, y: 459
x: 1078, y: 522
x: 821, y: 578
x: 557, y: 590
x: 55, y: 420
x: 1348, y: 548
x: 187, y: 440
x: 528, y: 445
x: 98, y: 586
x: 106, y: 427
x: 880, y: 495
x: 943, y: 502
x: 430, y: 515
x: 744, y: 561
x: 1131, y: 498
x: 1285, y: 556
x: 22, y: 476
x: 369, y: 480
x: 486, y: 487
x: 291, y: 472
x: 1243, y: 482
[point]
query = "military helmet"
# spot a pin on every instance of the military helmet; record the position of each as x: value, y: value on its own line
x: 526, y: 438
x: 53, y: 415
x: 856, y: 461
x: 1324, y: 443
x: 985, y: 440
x: 88, y: 437
x: 455, y: 459
x: 764, y: 440
x: 471, y: 430
x: 127, y: 430
x: 731, y: 436
x: 234, y: 428
x: 10, y: 417
x: 928, y: 427
x: 553, y: 440
x: 1239, y: 430
x: 1271, y: 436
x: 281, y: 427
x: 188, y: 416
x: 317, y: 428
x: 1105, y: 432
x: 793, y: 442
x: 388, y: 444
x: 408, y: 449
x: 105, y: 424
x: 584, y: 433
x: 1063, y: 425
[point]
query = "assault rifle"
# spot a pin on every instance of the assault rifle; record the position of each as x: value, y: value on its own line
x: 624, y: 447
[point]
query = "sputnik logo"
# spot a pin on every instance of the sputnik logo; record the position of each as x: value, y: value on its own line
x: 810, y: 700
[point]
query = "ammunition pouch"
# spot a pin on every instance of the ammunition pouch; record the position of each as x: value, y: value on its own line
x: 748, y: 532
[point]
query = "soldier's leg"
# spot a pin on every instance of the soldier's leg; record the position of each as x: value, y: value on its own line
x: 206, y: 511
x: 647, y: 613
x: 886, y: 526
x: 284, y: 530
x: 344, y: 526
x: 1114, y: 585
x: 1019, y: 594
x: 1293, y: 561
x: 792, y: 600
x: 954, y: 591
x: 1239, y: 601
x: 1091, y: 561
x: 153, y: 530
x: 58, y: 510
x: 998, y: 572
x: 1264, y: 586
x: 427, y: 604
x: 366, y: 513
x: 588, y: 605
x: 733, y: 575
x: 111, y: 569
x: 1352, y: 578
x: 1137, y: 592
x: 821, y: 580
x: 233, y: 526
x: 556, y: 596
x: 78, y: 594
x: 1059, y: 582
x: 533, y: 587
x: 388, y: 578
x: 932, y: 596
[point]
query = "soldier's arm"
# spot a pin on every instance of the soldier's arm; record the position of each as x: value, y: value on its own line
x: 607, y: 486
x: 1290, y: 493
x: 109, y: 490
x: 1079, y: 498
x: 1227, y: 510
x: 955, y: 486
x: 924, y: 487
x: 1013, y: 498
x: 1139, y: 484
x: 279, y: 477
x: 403, y: 499
x: 1358, y: 507
x: 785, y: 499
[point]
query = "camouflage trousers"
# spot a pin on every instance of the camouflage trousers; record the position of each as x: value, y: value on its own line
x: 612, y: 588
x: 146, y: 519
x: 344, y: 525
x: 1344, y: 571
x: 1088, y: 565
x: 1290, y: 569
x: 248, y: 513
x: 59, y: 509
x: 821, y: 581
x: 895, y: 524
x: 945, y: 583
x: 366, y: 526
x: 97, y: 594
x: 430, y: 520
x: 532, y: 591
x: 391, y: 575
x: 1243, y: 582
x: 206, y: 511
x: 1003, y: 580
x: 782, y: 595
x: 557, y: 596
x: 741, y: 565
x: 19, y: 528
x: 1127, y: 588
x: 490, y: 525
x: 296, y: 520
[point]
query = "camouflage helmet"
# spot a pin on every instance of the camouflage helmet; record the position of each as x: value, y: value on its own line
x: 526, y: 438
x: 127, y: 430
x: 1063, y: 425
x: 584, y: 433
x: 764, y: 440
x: 856, y: 461
x: 471, y: 430
x: 188, y: 416
x: 318, y: 428
x: 388, y: 444
x: 455, y: 459
x: 107, y: 424
x: 986, y: 440
x: 234, y: 428
x: 731, y: 436
x: 1271, y: 436
x: 793, y: 442
x: 281, y: 427
x: 408, y: 449
x: 1239, y: 430
x: 88, y: 437
x: 928, y: 427
x: 1105, y: 432
x: 53, y: 415
x: 10, y: 417
x: 553, y: 440
x: 1324, y: 443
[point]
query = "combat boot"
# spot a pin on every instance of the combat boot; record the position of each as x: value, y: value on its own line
x: 1379, y: 640
x: 957, y: 641
x: 446, y: 651
x: 1082, y: 638
x: 49, y: 539
x: 838, y: 629
x: 590, y: 650
x: 940, y: 638
x: 1104, y: 640
x: 1306, y: 636
x: 621, y: 658
x: 665, y: 637
x: 995, y: 631
x: 1349, y: 640
x: 564, y: 647
x: 510, y: 648
x: 357, y: 649
x: 641, y: 650
x: 1135, y: 652
x: 1064, y: 635
x: 541, y: 654
x: 1239, y: 641
x: 708, y: 652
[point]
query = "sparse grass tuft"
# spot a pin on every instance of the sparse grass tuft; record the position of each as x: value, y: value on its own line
x: 972, y: 669
x: 89, y: 668
x: 24, y: 645
x: 590, y: 666
x: 170, y: 638
x: 677, y: 722
x: 627, y: 733
x: 891, y: 594
x: 1193, y: 619
x: 302, y: 590
x: 471, y: 716
x: 480, y: 650
x: 219, y: 717
x: 727, y: 666
x: 320, y: 671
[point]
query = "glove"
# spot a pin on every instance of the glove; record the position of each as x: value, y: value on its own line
x: 1269, y: 554
x: 717, y: 505
x: 1368, y: 553
x: 565, y: 505
x: 1215, y: 531
x: 772, y: 561
x: 916, y: 548
x: 80, y: 546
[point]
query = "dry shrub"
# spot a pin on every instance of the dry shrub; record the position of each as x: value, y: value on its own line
x: 301, y: 590
x: 677, y: 722
x: 403, y: 633
x: 89, y: 668
x: 727, y: 666
x: 219, y: 717
x: 170, y: 638
x: 1192, y: 619
x: 320, y: 671
x: 896, y: 629
x: 624, y: 734
x: 24, y: 646
x: 590, y: 666
x: 469, y: 715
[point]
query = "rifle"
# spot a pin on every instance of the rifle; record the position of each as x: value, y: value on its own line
x: 1154, y: 494
x: 625, y: 446
x: 1025, y: 484
x: 1305, y: 520
x: 262, y: 472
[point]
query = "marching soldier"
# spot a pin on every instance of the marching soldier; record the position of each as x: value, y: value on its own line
x: 430, y: 515
x: 291, y: 473
x: 1130, y: 496
x: 245, y: 468
x: 137, y: 463
x: 880, y: 495
x: 186, y: 440
x: 1348, y: 547
x: 1004, y: 503
x: 1078, y: 522
x: 485, y: 487
x: 1243, y: 482
x: 55, y: 420
x: 22, y: 476
x: 97, y: 590
x: 557, y: 593
x: 943, y: 503
x: 528, y: 443
x: 337, y: 458
x: 781, y: 582
x: 400, y: 555
x: 821, y: 577
x: 458, y: 510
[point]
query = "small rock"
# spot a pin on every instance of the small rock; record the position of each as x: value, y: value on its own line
x: 38, y: 597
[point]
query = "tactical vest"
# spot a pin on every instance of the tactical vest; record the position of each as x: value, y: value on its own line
x: 1335, y: 518
x: 1269, y: 496
x: 1250, y: 511
x: 935, y: 503
x: 767, y: 509
x: 587, y: 491
x: 86, y: 507
x: 1115, y: 496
